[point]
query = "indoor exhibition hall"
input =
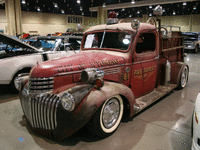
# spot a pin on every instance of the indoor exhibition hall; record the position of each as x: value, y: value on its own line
x: 100, y: 74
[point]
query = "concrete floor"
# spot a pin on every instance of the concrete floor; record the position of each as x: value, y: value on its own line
x: 165, y: 125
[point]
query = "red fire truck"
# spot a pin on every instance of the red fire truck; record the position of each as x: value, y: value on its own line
x: 122, y: 68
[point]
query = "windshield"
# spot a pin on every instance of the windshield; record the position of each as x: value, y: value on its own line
x: 190, y: 37
x: 108, y: 40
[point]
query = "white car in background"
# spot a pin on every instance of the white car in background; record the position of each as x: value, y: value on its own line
x: 19, y: 57
x: 196, y: 125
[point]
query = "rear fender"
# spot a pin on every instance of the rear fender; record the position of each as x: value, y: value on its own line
x: 176, y: 69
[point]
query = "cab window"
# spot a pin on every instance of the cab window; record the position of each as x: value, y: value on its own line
x: 145, y: 43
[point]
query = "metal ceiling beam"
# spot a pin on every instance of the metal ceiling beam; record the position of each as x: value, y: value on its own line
x: 139, y: 4
x: 2, y: 1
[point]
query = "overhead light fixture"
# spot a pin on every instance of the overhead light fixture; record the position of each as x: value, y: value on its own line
x: 194, y: 7
x: 123, y: 9
x: 174, y: 13
x: 62, y: 11
x: 132, y: 1
x: 104, y: 4
x: 138, y: 12
x: 81, y: 8
x: 150, y: 6
x: 78, y: 1
x: 163, y: 10
x: 130, y: 16
x: 38, y: 8
x: 150, y: 14
x: 82, y: 13
x: 23, y: 2
x: 55, y: 5
x: 184, y: 4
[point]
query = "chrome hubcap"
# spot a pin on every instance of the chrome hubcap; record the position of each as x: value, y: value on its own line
x: 111, y: 113
x: 16, y: 82
x: 184, y: 77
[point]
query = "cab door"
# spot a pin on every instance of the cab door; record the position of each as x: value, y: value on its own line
x: 145, y: 63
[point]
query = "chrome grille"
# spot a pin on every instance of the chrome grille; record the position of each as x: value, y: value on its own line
x: 41, y: 84
x: 44, y: 110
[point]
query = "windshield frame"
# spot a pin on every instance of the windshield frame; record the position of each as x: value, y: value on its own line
x: 108, y: 49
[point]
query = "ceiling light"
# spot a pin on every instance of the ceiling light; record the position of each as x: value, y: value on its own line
x: 163, y: 10
x: 174, y: 13
x: 104, y: 4
x: 138, y: 12
x: 55, y: 5
x: 132, y: 1
x: 130, y: 16
x: 184, y: 4
x: 38, y: 8
x: 150, y: 14
x: 62, y: 11
x: 123, y: 9
x: 81, y: 8
x: 150, y: 6
x: 82, y: 13
x: 194, y: 7
x: 23, y: 2
x: 78, y: 1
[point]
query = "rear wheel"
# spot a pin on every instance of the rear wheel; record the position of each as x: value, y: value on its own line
x: 108, y: 117
x: 183, y: 78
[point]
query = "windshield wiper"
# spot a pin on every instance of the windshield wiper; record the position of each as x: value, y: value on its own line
x: 103, y: 38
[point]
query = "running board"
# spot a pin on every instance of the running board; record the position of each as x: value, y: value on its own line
x: 157, y: 93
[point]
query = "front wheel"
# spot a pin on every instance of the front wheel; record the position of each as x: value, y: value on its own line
x: 108, y: 117
x: 183, y: 78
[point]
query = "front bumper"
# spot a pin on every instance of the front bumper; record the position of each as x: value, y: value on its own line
x: 47, y: 117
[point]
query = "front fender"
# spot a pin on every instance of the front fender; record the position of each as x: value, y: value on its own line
x: 70, y: 122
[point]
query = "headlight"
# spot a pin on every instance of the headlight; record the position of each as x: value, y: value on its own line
x: 68, y: 102
x: 73, y: 96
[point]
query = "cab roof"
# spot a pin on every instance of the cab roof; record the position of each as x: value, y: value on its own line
x: 123, y: 26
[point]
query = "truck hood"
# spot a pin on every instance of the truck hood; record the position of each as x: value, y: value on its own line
x: 76, y: 63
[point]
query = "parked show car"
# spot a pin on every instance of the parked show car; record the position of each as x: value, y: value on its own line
x: 191, y: 41
x: 196, y: 125
x: 121, y: 69
x: 58, y: 43
x: 18, y: 58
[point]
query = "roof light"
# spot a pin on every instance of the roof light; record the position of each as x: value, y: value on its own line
x: 23, y: 1
x: 81, y: 8
x: 150, y: 14
x: 174, y: 13
x: 150, y: 6
x: 62, y: 11
x: 55, y: 5
x: 138, y: 12
x: 38, y: 8
x: 132, y: 1
x: 123, y: 9
x: 184, y: 4
x: 78, y: 1
x: 194, y: 7
x: 82, y: 13
x: 104, y: 4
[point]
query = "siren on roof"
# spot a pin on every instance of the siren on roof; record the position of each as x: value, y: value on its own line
x: 112, y: 18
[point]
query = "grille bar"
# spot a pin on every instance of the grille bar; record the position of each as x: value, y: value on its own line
x: 44, y: 111
x: 41, y: 84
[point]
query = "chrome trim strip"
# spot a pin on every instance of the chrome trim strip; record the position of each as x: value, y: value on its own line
x: 40, y: 83
x: 40, y: 87
x: 53, y: 111
x: 112, y: 71
x: 55, y: 114
x: 48, y: 111
x: 33, y: 112
x: 36, y: 114
x: 41, y: 79
x: 42, y: 111
x: 45, y: 112
x: 39, y: 111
